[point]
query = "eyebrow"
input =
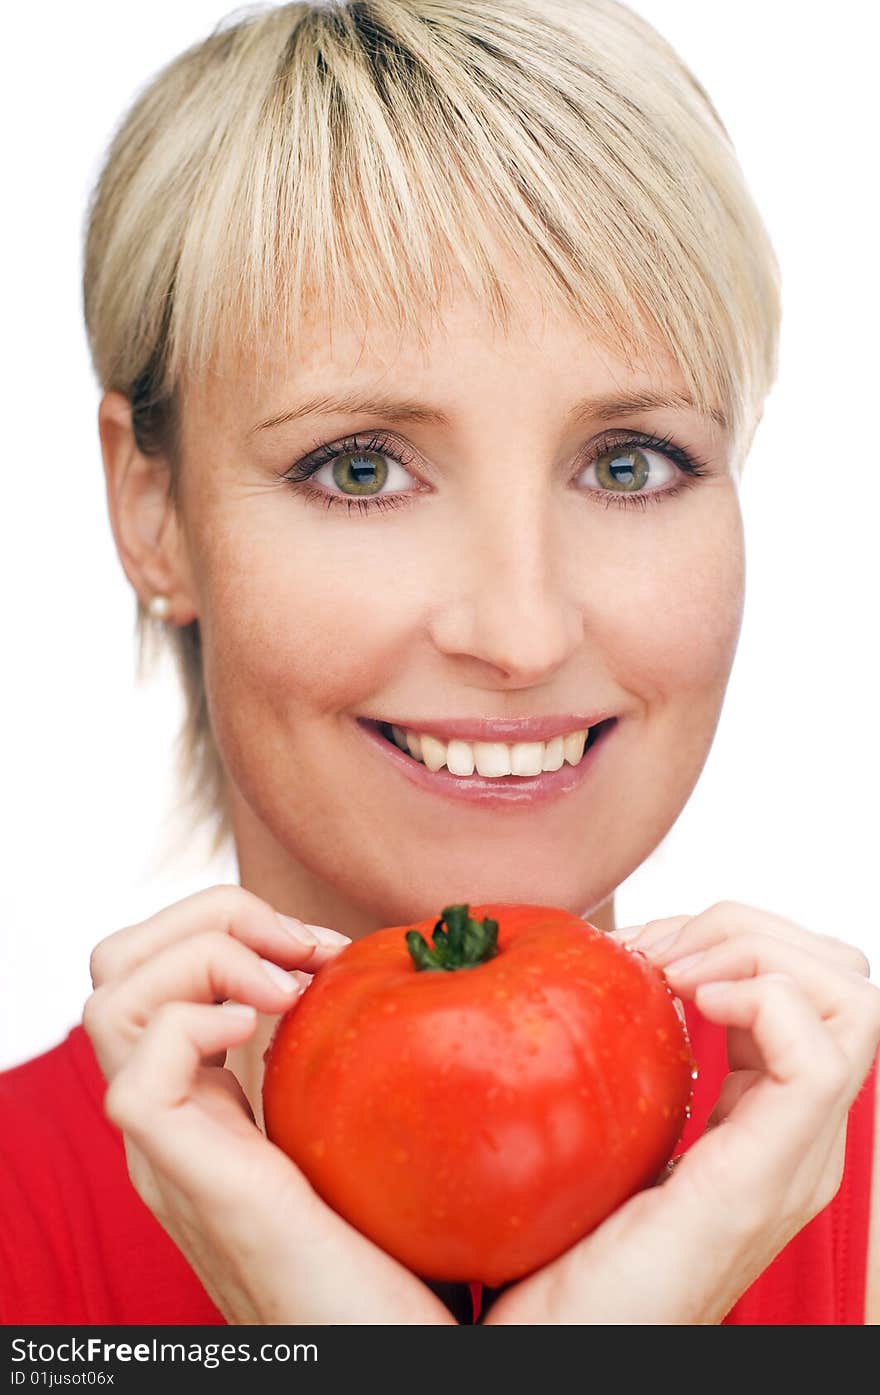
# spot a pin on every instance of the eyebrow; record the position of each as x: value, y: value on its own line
x: 406, y: 409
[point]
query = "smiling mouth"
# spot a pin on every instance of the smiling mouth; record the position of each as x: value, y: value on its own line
x: 494, y: 759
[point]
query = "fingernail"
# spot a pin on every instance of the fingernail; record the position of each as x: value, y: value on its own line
x: 312, y: 934
x: 325, y: 936
x: 298, y: 929
x: 658, y: 947
x: 627, y: 932
x: 683, y: 966
x: 707, y: 992
x: 279, y: 978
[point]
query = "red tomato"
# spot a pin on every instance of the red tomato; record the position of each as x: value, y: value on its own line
x: 478, y: 1115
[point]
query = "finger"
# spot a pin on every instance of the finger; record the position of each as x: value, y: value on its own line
x: 678, y: 936
x: 207, y: 968
x: 653, y: 932
x: 846, y: 1000
x: 790, y: 1122
x: 733, y: 1087
x: 171, y: 1114
x: 229, y: 909
x: 159, y: 1100
x: 807, y: 1077
x: 744, y: 956
x: 216, y: 1082
x: 742, y: 1053
x: 302, y: 981
x: 160, y: 1075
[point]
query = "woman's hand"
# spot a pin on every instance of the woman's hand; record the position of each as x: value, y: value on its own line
x: 266, y: 1248
x: 803, y: 1027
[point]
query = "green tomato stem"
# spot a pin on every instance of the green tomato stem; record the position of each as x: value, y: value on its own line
x: 463, y: 944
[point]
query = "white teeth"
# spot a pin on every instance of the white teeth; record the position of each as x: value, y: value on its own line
x: 492, y: 758
x: 460, y: 758
x: 553, y: 754
x: 573, y: 746
x: 527, y: 758
x: 433, y: 752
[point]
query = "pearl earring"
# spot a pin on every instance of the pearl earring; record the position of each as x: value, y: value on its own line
x: 159, y: 607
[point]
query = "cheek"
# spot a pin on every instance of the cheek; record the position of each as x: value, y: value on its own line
x: 294, y: 625
x: 673, y: 648
x: 669, y: 639
x: 674, y: 627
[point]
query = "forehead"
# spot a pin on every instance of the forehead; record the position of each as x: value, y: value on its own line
x: 459, y: 358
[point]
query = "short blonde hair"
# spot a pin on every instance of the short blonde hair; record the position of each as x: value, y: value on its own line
x: 353, y: 159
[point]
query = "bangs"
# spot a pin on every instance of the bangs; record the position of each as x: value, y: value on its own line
x: 364, y: 162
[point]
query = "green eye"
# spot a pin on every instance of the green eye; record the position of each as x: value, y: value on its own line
x: 360, y: 472
x: 625, y: 470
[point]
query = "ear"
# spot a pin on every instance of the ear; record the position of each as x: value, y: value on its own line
x: 146, y: 527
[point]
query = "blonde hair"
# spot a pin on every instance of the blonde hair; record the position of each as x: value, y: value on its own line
x: 358, y: 159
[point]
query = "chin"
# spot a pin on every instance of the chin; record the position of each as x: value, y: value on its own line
x: 421, y: 898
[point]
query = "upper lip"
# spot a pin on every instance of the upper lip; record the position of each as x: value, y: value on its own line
x: 509, y: 730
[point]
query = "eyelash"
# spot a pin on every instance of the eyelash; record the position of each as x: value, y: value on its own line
x: 690, y: 467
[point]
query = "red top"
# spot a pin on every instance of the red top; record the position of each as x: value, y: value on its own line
x: 77, y: 1244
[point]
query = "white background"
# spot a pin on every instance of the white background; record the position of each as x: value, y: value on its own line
x: 784, y: 816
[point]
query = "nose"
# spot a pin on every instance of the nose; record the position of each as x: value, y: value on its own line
x: 508, y: 595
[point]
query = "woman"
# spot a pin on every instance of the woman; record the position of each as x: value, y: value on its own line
x: 392, y: 548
